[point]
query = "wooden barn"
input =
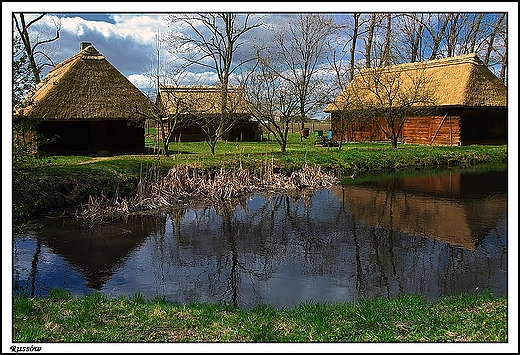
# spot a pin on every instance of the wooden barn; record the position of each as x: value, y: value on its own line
x: 196, y: 103
x: 467, y: 104
x: 86, y: 106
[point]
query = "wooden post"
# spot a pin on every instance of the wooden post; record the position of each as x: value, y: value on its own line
x: 451, y: 140
x: 439, y: 128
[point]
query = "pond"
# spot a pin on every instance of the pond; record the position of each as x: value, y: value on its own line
x: 434, y: 235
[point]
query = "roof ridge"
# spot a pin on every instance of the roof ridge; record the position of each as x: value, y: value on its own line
x: 471, y: 58
x: 90, y: 52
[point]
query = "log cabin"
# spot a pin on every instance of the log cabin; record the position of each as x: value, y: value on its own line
x: 192, y: 104
x: 466, y: 104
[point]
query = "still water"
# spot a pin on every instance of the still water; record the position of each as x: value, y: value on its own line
x: 434, y: 235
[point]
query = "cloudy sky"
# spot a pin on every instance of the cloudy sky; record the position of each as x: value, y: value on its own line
x: 125, y: 35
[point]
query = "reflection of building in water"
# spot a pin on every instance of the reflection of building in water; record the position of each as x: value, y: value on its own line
x: 96, y: 253
x: 432, y: 206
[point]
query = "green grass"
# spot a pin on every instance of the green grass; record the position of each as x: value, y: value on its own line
x: 96, y: 318
x: 353, y: 157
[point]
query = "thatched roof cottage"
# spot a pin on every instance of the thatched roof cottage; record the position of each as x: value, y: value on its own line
x: 89, y: 106
x: 468, y: 104
x: 195, y: 103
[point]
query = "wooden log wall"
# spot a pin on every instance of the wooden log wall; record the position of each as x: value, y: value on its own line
x: 356, y: 132
x: 428, y: 130
x: 432, y: 130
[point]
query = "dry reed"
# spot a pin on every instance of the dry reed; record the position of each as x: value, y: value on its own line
x: 182, y: 184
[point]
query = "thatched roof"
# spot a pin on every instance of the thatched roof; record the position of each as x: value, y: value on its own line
x: 462, y: 81
x: 201, y: 99
x: 86, y: 87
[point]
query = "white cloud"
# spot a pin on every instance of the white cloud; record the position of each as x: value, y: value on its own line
x: 77, y: 26
x: 201, y: 78
x: 140, y: 28
x: 140, y: 81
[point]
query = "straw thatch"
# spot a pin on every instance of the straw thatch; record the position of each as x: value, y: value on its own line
x: 201, y: 99
x: 86, y: 87
x: 462, y: 81
x: 203, y: 104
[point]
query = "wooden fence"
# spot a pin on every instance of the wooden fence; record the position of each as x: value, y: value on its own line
x: 312, y: 126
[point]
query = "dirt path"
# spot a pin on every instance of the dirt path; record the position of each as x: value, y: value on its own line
x: 95, y: 159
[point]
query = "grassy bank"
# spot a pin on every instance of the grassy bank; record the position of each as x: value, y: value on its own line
x: 55, y: 182
x: 95, y: 318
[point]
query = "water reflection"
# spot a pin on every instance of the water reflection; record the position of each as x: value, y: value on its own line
x: 455, y: 208
x: 431, y: 235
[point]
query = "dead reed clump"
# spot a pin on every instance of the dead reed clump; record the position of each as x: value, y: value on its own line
x: 307, y: 177
x: 103, y: 209
x: 191, y: 183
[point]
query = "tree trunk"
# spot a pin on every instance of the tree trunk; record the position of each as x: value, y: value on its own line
x: 369, y: 41
x: 353, y: 48
x: 492, y: 36
x: 394, y: 142
x: 386, y: 52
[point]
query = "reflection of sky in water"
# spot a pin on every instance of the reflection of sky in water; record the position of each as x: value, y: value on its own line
x: 283, y: 250
x: 52, y: 270
x: 300, y: 288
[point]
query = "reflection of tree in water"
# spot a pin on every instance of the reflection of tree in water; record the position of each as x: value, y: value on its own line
x: 238, y: 250
x: 30, y: 285
x: 299, y: 245
x: 401, y: 220
x: 248, y: 245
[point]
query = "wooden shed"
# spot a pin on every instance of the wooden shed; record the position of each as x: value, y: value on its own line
x: 468, y: 105
x: 196, y: 103
x: 85, y: 105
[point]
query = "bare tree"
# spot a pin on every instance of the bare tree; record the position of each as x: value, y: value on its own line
x: 29, y: 59
x: 452, y: 34
x: 37, y: 58
x: 213, y: 41
x: 389, y: 96
x: 497, y: 27
x: 502, y: 55
x: 473, y: 31
x: 409, y: 30
x: 355, y: 34
x: 300, y: 46
x: 169, y: 110
x: 173, y: 110
x: 369, y: 40
x: 386, y: 55
x: 271, y: 100
x: 342, y: 61
x: 342, y: 48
